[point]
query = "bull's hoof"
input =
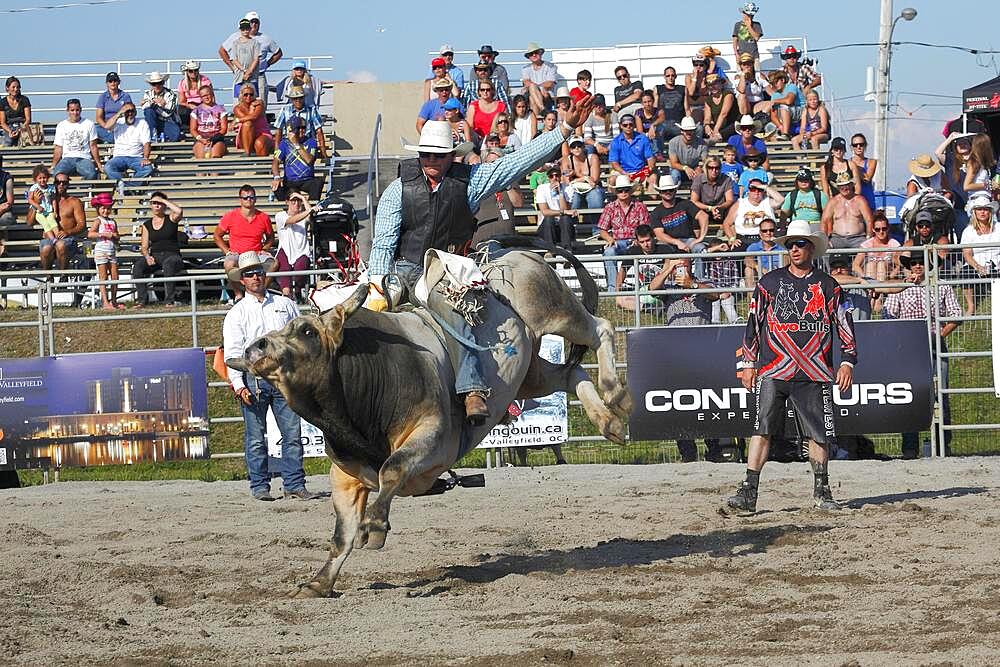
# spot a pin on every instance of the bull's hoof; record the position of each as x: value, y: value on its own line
x: 614, y: 431
x: 361, y: 539
x: 619, y: 401
x: 307, y: 591
x: 377, y: 532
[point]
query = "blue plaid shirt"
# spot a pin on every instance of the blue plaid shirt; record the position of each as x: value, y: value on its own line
x: 486, y: 179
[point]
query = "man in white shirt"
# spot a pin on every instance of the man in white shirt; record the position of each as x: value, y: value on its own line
x: 556, y: 226
x: 131, y: 151
x: 539, y: 79
x: 256, y: 314
x: 76, y: 144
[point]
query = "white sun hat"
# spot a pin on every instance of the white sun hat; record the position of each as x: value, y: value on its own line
x: 435, y: 137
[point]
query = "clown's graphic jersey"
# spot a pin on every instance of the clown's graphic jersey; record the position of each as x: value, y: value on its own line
x: 789, y: 334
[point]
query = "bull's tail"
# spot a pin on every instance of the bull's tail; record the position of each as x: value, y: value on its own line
x: 588, y: 286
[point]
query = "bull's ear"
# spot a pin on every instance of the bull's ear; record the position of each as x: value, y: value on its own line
x: 356, y: 301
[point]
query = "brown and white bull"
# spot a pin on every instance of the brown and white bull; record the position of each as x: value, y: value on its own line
x: 381, y: 388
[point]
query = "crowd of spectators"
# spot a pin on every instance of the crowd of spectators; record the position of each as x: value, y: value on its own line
x: 294, y: 139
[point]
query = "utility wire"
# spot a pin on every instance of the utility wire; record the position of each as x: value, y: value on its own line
x: 67, y: 5
x: 925, y: 44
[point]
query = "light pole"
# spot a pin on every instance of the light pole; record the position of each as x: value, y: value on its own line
x: 886, y: 26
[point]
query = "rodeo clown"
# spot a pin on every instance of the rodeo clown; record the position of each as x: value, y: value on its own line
x: 432, y: 206
x: 788, y: 355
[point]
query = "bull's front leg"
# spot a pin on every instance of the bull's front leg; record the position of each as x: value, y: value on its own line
x: 411, y: 468
x: 349, y: 497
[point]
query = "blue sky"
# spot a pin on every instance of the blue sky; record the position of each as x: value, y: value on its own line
x: 388, y: 40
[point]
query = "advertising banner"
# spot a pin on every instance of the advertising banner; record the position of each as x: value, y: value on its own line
x: 105, y: 408
x: 684, y: 382
x: 538, y: 421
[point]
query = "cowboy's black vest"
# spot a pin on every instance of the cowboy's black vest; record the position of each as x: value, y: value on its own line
x: 440, y: 220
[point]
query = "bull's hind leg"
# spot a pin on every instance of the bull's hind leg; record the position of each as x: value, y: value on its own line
x: 349, y: 497
x: 545, y: 377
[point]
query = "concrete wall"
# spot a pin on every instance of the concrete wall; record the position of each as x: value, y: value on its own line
x: 356, y: 105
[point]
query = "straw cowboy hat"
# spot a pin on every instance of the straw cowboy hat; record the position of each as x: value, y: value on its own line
x: 156, y: 77
x: 435, y: 137
x: 709, y: 52
x: 924, y: 166
x: 801, y: 229
x: 843, y: 178
x: 532, y: 47
x: 249, y: 260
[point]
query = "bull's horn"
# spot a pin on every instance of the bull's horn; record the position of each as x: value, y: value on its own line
x: 355, y: 301
x: 238, y: 364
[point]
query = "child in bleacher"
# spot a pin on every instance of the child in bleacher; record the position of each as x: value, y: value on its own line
x: 731, y: 168
x: 40, y: 196
x: 754, y: 170
x: 105, y: 230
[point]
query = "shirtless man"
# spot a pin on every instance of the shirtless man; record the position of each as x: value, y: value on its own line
x: 72, y: 223
x: 847, y: 220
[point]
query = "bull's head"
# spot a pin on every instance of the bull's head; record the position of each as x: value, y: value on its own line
x: 288, y: 357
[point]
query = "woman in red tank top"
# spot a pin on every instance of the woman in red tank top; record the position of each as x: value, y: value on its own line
x: 482, y: 111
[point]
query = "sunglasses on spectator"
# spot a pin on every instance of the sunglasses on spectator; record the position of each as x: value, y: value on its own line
x: 797, y: 243
x: 486, y: 90
x: 248, y: 197
x: 767, y: 230
x: 431, y: 156
x: 713, y: 167
x: 627, y: 124
x: 61, y: 181
x: 881, y: 229
x: 756, y: 189
x: 503, y: 120
x: 621, y: 76
x: 923, y: 224
x: 859, y: 145
x: 252, y: 273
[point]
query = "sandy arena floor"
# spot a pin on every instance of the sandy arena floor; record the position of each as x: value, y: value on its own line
x: 580, y: 565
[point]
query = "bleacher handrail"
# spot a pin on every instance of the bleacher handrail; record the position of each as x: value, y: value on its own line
x: 373, y: 174
x: 132, y: 82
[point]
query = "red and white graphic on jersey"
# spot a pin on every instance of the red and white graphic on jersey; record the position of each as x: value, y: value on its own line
x: 790, y: 325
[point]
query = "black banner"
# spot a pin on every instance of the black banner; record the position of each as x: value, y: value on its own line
x: 684, y: 382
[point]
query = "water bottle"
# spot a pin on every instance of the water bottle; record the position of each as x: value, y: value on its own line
x: 270, y: 196
x: 927, y: 448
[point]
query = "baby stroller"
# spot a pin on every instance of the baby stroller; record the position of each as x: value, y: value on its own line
x: 929, y: 205
x: 335, y: 239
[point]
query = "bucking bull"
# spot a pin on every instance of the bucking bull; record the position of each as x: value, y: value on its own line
x: 380, y: 385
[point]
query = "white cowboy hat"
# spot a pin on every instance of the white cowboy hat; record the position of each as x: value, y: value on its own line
x: 191, y: 65
x: 981, y: 199
x: 767, y: 132
x: 435, y: 137
x: 746, y: 121
x: 801, y: 229
x: 581, y: 186
x: 562, y: 91
x: 156, y: 77
x: 249, y: 260
x: 621, y: 182
x: 687, y: 123
x: 667, y: 182
x: 532, y: 47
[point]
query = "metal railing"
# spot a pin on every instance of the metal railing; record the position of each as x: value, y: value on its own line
x: 373, y: 174
x: 973, y: 420
x: 55, y: 82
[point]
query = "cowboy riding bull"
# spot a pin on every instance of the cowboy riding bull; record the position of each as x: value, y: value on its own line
x: 386, y: 388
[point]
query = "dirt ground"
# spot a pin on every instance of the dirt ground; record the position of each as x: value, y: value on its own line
x: 580, y: 565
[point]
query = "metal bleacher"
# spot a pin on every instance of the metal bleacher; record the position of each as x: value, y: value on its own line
x: 204, y: 188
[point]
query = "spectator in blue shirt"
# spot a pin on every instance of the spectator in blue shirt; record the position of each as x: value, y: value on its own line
x: 786, y: 103
x: 744, y: 140
x: 433, y: 109
x: 296, y: 154
x: 108, y: 104
x: 296, y: 108
x: 631, y: 153
x: 451, y: 70
x: 761, y: 264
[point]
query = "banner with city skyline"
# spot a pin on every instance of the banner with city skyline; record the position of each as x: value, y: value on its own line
x: 105, y: 408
